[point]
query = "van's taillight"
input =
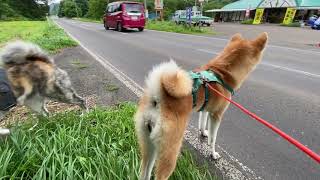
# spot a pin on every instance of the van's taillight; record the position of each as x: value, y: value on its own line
x: 142, y: 14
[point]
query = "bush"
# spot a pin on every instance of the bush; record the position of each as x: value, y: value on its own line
x: 170, y: 26
x: 248, y: 21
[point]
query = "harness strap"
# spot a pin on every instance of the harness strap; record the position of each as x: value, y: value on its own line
x: 206, y: 95
x: 203, y: 78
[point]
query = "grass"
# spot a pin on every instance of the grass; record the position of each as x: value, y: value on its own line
x: 88, y: 20
x: 79, y: 64
x: 43, y: 33
x: 294, y: 24
x: 170, y: 26
x: 112, y: 87
x: 248, y: 21
x: 98, y: 145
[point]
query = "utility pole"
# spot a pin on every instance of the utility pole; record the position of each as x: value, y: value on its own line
x: 146, y: 9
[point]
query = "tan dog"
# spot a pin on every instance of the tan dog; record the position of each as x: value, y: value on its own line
x: 166, y: 105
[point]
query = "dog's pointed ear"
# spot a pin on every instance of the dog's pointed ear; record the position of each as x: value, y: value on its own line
x: 261, y: 41
x: 236, y: 37
x: 178, y: 84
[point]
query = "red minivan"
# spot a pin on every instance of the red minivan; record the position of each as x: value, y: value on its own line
x: 124, y: 15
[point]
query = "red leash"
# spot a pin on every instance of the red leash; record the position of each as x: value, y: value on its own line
x: 302, y: 147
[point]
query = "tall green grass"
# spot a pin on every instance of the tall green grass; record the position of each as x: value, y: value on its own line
x: 43, y: 33
x: 99, y: 145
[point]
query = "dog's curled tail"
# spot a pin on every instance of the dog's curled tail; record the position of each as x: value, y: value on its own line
x: 175, y: 81
x: 20, y: 52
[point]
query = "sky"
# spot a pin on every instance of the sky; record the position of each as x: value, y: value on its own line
x: 53, y: 1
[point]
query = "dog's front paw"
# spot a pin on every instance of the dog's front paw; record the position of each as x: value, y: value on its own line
x: 215, y: 156
x: 203, y: 133
x: 4, y: 132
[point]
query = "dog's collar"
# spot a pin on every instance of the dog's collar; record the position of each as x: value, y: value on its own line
x: 202, y: 78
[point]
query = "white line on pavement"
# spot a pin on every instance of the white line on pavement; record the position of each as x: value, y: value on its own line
x: 225, y: 39
x: 272, y: 65
x: 292, y: 70
x: 208, y: 51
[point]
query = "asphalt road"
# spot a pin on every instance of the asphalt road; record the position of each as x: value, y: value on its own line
x: 284, y: 89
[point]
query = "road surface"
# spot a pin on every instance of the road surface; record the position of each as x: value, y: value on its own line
x: 284, y: 89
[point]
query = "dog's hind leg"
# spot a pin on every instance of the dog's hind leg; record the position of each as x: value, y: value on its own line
x: 213, y: 126
x: 37, y: 104
x: 203, y: 119
x: 169, y: 149
x: 148, y: 155
x: 27, y: 90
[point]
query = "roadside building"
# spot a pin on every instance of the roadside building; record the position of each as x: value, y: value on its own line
x: 273, y: 11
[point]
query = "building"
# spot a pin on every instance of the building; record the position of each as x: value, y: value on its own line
x: 274, y: 11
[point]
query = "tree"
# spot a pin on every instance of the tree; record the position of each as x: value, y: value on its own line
x: 30, y: 9
x: 70, y: 9
x: 83, y: 6
x: 97, y: 8
x: 61, y: 9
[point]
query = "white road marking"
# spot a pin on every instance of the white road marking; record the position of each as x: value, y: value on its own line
x: 226, y: 40
x: 208, y: 51
x: 273, y: 65
x: 293, y: 70
x: 138, y: 90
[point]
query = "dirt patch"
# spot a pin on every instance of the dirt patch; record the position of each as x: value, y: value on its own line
x: 89, y: 78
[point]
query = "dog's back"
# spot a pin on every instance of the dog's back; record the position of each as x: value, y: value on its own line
x: 28, y: 68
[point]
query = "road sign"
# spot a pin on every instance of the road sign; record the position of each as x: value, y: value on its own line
x: 247, y: 12
x: 290, y: 13
x: 258, y: 16
x: 189, y: 14
x: 158, y: 4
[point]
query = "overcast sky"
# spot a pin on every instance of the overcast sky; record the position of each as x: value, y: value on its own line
x: 53, y: 1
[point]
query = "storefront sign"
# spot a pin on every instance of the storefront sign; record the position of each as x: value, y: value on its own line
x: 277, y: 3
x: 258, y: 16
x: 158, y: 4
x: 247, y: 12
x: 290, y: 13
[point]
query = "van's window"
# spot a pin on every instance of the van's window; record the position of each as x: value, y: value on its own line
x: 117, y: 8
x: 110, y: 9
x: 134, y: 8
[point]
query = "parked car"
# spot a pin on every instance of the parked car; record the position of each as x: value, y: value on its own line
x: 316, y: 24
x: 180, y: 17
x: 123, y: 15
x: 312, y: 19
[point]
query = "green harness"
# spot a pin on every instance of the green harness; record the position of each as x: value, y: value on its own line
x: 203, y: 78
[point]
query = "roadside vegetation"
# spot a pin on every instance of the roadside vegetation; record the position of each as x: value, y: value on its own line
x: 44, y: 33
x: 248, y: 21
x: 23, y: 10
x: 294, y: 24
x: 170, y: 26
x: 98, y: 145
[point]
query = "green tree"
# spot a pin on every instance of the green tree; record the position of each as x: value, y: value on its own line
x: 83, y: 6
x: 97, y: 8
x: 61, y: 9
x: 30, y: 9
x: 70, y: 9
